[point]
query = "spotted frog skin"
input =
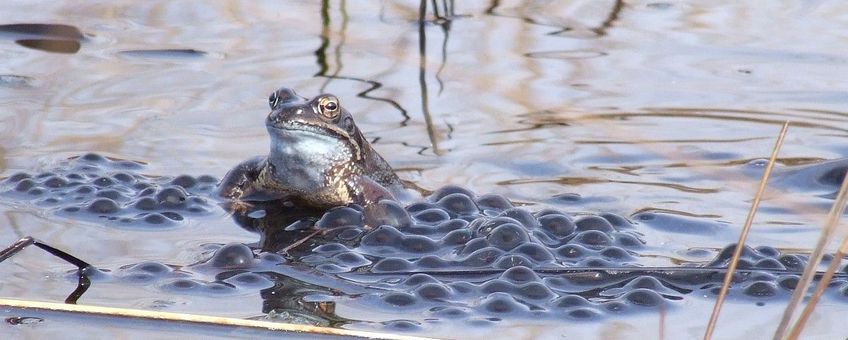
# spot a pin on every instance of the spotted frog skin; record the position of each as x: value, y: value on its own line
x: 318, y: 157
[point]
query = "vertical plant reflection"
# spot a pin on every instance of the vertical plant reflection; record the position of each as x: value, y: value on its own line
x: 601, y: 30
x: 443, y: 20
x: 323, y: 67
x: 321, y: 52
x: 615, y: 11
x: 338, y: 50
x: 422, y: 76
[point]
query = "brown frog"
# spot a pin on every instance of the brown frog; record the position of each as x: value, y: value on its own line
x: 318, y: 158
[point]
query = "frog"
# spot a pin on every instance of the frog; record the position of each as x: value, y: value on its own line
x: 318, y: 158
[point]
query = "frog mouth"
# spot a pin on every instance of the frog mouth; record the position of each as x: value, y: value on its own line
x: 303, y: 127
x: 296, y: 127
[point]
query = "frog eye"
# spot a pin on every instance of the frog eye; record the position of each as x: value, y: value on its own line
x: 273, y: 100
x: 329, y: 107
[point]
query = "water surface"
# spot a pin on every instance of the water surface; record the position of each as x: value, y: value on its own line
x: 633, y: 106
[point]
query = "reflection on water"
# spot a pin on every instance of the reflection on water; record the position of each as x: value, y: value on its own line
x: 167, y: 53
x: 636, y: 108
x: 44, y: 37
x: 321, y: 56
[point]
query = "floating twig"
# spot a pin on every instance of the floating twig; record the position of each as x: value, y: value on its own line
x: 83, y: 268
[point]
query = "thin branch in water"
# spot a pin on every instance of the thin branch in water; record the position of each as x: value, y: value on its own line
x: 307, y: 237
x: 300, y: 241
x: 833, y: 220
x: 16, y: 247
x: 29, y: 240
x: 740, y: 244
x: 83, y: 268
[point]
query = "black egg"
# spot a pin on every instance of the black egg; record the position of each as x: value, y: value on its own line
x: 493, y: 202
x: 761, y: 289
x: 103, y: 206
x: 339, y: 217
x: 643, y: 297
x: 447, y: 190
x: 594, y: 223
x: 507, y: 236
x: 184, y: 181
x: 522, y: 216
x: 557, y: 225
x: 232, y: 256
x: 387, y: 212
x: 458, y: 204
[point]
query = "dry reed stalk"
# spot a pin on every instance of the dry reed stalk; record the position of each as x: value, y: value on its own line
x: 836, y: 212
x: 815, y: 259
x: 662, y: 322
x: 156, y: 316
x: 740, y: 244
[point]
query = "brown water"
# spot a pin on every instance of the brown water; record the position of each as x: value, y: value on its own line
x: 636, y: 105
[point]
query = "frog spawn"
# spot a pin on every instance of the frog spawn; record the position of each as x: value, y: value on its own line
x: 441, y: 259
x: 454, y: 256
x: 229, y: 270
x: 437, y: 262
x: 104, y: 190
x: 451, y: 232
x: 456, y: 293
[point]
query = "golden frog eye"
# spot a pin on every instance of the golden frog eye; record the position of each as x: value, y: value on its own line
x: 329, y: 107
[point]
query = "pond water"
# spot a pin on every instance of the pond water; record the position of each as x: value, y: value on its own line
x: 583, y: 106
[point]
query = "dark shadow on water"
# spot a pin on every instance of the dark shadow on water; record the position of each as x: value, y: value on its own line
x: 279, y: 224
x: 54, y: 46
x: 41, y: 31
x: 182, y: 53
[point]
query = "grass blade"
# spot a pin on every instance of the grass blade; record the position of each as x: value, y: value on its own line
x: 833, y: 220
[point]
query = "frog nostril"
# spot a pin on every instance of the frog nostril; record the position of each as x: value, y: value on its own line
x: 282, y: 96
